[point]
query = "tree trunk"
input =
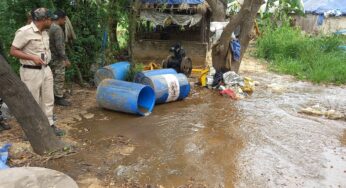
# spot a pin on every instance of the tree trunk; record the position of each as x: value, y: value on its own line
x: 113, y: 38
x: 220, y: 50
x: 113, y: 24
x: 218, y: 8
x: 133, y: 26
x: 27, y: 112
x: 246, y: 33
x: 244, y: 19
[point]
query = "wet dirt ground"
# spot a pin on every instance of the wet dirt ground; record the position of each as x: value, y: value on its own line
x: 284, y: 147
x: 211, y: 141
x: 189, y: 142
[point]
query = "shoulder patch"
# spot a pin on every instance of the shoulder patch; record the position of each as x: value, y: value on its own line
x: 25, y: 28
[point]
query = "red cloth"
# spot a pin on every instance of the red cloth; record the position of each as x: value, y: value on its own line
x: 229, y: 92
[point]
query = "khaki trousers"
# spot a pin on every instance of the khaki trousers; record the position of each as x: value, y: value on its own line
x: 40, y: 84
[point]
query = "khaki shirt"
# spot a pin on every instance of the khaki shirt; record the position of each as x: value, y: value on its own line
x: 31, y: 41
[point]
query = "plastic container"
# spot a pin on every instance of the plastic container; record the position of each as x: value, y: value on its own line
x: 210, y: 80
x: 168, y: 87
x: 139, y: 76
x: 117, y: 71
x: 125, y: 97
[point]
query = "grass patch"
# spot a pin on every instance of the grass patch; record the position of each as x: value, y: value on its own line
x: 317, y: 59
x: 134, y: 69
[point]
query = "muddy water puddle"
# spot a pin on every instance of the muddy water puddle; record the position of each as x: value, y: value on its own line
x: 195, y: 140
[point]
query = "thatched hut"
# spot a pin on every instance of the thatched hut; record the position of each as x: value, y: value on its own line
x: 159, y: 24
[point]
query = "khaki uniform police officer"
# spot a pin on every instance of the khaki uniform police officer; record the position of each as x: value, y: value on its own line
x: 31, y: 46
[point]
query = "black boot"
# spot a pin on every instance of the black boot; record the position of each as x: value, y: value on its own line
x: 61, y: 101
x: 57, y: 131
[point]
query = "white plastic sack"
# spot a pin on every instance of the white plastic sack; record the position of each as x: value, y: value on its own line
x: 231, y: 78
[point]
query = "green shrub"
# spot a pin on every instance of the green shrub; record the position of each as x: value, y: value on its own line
x: 90, y: 21
x: 134, y: 69
x: 317, y: 59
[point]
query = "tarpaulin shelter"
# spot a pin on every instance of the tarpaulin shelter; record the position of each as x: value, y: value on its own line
x: 323, y: 16
x: 159, y: 24
x: 325, y: 6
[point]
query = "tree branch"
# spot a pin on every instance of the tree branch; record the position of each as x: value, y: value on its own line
x: 246, y: 33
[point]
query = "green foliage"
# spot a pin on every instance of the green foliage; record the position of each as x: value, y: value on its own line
x: 134, y: 69
x: 317, y: 59
x: 123, y: 35
x: 87, y: 23
x: 279, y: 9
x: 90, y: 19
x: 278, y: 12
x: 12, y: 17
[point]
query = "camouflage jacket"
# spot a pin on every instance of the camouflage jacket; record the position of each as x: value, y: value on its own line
x: 57, y: 43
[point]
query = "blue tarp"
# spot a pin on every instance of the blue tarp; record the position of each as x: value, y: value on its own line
x: 322, y: 6
x: 235, y: 47
x: 4, y: 156
x: 173, y: 2
x: 320, y: 19
x: 341, y: 32
x: 343, y: 48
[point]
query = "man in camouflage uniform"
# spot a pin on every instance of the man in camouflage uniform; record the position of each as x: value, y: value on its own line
x: 59, y: 59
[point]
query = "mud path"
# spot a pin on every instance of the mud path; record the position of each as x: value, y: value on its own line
x: 285, y: 147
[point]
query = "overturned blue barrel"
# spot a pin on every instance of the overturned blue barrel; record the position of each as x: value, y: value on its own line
x: 117, y: 71
x: 140, y: 75
x: 125, y: 97
x: 168, y: 87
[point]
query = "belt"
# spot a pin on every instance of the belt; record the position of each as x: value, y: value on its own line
x: 34, y: 66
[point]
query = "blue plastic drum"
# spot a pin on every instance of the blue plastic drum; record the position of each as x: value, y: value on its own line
x: 168, y: 87
x: 125, y: 97
x: 139, y: 76
x: 117, y: 71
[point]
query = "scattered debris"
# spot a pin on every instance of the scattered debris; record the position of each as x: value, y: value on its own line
x: 202, y: 75
x: 91, y: 182
x: 126, y: 150
x: 77, y: 117
x: 230, y: 84
x: 228, y: 92
x: 276, y: 88
x: 232, y: 78
x: 318, y: 110
x: 249, y: 85
x: 88, y: 115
